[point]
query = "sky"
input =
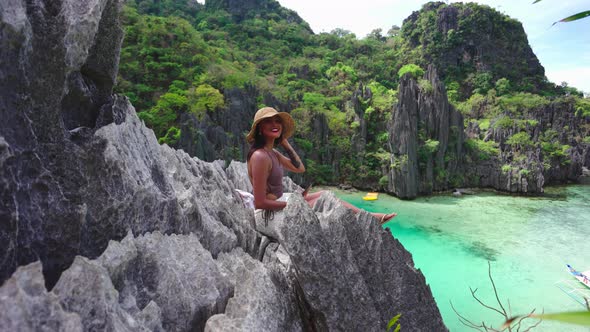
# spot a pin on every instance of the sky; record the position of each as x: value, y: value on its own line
x: 563, y: 49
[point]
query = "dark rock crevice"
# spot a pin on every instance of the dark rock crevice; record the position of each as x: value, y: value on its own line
x: 78, y: 109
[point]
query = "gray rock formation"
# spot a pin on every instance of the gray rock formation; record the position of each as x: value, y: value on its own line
x: 220, y: 134
x: 235, y: 174
x: 59, y: 63
x: 75, y: 176
x: 428, y: 151
x: 149, y: 283
x: 27, y: 306
x: 329, y: 270
x: 174, y: 272
x: 426, y: 138
x: 403, y: 142
x: 509, y: 173
x: 80, y: 173
x: 370, y: 263
x: 571, y: 127
x: 86, y: 289
x: 359, y: 140
x: 260, y: 301
x: 555, y: 154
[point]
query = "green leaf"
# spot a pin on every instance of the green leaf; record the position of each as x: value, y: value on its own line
x: 392, y: 323
x: 576, y: 317
x: 575, y: 17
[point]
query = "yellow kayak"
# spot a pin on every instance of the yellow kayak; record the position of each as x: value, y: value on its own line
x: 371, y: 196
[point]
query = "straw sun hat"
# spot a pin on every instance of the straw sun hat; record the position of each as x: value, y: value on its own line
x: 269, y: 112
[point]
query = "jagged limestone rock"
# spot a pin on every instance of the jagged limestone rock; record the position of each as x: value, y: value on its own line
x: 526, y: 169
x: 25, y: 304
x: 112, y: 177
x: 443, y: 124
x: 259, y: 302
x: 118, y: 257
x: 180, y: 276
x: 80, y: 169
x: 359, y: 139
x: 235, y: 174
x: 423, y: 115
x: 331, y: 269
x: 352, y: 273
x: 59, y: 62
x: 151, y: 317
x: 221, y: 134
x: 403, y: 142
x: 571, y: 126
x: 86, y: 289
x: 170, y: 282
x: 153, y: 282
x: 165, y: 188
x: 278, y: 262
x: 393, y: 283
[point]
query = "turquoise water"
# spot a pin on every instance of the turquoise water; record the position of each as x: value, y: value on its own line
x: 527, y: 240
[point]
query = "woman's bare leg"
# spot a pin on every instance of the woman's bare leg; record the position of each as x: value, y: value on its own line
x: 382, y: 217
x: 311, y: 198
x: 350, y: 206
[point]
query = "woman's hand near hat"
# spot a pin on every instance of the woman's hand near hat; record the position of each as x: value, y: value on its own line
x: 293, y: 163
x: 285, y: 144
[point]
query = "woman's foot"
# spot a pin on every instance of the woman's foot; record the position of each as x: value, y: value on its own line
x: 383, y: 218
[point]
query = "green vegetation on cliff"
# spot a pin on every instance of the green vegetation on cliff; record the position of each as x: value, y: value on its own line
x: 473, y: 46
x: 181, y: 58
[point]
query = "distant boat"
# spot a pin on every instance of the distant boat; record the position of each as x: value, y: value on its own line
x: 583, y: 277
x: 573, y: 289
x: 371, y: 196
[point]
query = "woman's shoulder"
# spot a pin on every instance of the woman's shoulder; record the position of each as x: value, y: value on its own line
x: 260, y: 155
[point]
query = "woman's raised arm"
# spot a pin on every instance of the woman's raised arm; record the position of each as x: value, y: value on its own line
x: 293, y: 163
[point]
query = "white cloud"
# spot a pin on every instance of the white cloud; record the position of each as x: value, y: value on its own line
x: 359, y: 18
x: 576, y: 77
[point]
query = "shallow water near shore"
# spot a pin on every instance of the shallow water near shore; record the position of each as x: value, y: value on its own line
x: 528, y: 240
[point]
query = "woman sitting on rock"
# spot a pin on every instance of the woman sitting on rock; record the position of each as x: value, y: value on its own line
x: 265, y: 164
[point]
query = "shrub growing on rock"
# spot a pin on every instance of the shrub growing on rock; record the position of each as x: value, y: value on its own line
x: 414, y: 70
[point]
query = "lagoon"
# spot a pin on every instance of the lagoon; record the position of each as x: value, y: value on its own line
x: 528, y: 240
